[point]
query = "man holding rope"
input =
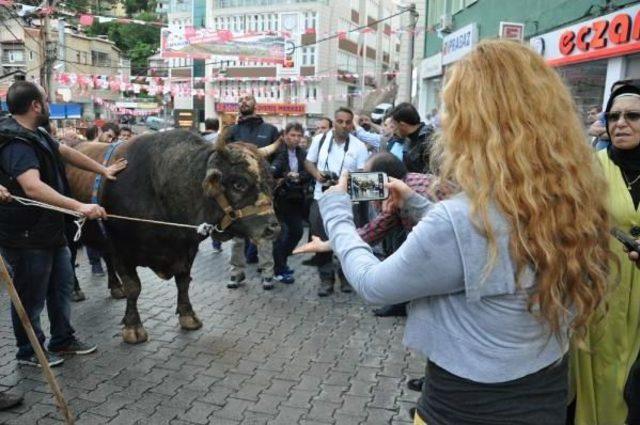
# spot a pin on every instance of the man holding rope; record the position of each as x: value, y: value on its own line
x: 32, y: 240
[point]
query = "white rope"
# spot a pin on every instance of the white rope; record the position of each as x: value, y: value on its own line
x: 204, y: 229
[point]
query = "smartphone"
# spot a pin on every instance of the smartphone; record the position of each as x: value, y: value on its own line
x: 627, y: 240
x: 367, y: 186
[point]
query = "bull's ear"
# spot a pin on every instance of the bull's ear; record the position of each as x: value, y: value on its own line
x: 223, y: 137
x: 211, y: 182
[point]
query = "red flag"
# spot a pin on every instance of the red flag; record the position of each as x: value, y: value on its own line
x: 342, y: 35
x: 310, y: 31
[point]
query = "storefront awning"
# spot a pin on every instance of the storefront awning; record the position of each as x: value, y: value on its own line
x: 57, y: 111
x: 73, y: 110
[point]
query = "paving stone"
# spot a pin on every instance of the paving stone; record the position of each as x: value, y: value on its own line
x: 279, y: 357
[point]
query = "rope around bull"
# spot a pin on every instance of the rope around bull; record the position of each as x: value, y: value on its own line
x: 203, y: 229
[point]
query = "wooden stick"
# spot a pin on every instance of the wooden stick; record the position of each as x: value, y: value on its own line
x: 46, y: 370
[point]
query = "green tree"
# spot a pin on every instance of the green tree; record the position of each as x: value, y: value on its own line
x: 137, y: 42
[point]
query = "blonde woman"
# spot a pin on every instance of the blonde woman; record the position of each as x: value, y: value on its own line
x: 500, y: 275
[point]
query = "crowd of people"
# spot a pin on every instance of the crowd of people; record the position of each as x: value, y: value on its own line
x: 494, y: 240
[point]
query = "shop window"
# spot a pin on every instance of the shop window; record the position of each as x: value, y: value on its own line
x: 586, y: 82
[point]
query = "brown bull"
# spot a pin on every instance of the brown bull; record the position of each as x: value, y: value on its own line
x: 175, y: 176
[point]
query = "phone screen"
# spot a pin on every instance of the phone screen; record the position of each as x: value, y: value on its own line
x: 367, y: 186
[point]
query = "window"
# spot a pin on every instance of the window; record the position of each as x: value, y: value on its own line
x: 310, y: 20
x: 99, y: 58
x: 435, y: 9
x: 309, y: 55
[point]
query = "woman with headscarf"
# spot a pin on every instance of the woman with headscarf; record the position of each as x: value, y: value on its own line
x: 600, y: 370
x: 500, y: 275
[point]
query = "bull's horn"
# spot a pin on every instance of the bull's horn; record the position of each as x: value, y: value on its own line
x: 223, y: 136
x: 267, y: 151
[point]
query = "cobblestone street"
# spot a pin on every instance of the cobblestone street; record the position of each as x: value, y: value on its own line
x: 279, y: 357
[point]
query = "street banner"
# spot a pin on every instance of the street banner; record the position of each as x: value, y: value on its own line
x: 205, y: 43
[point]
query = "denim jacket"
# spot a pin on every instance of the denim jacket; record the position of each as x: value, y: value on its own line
x: 474, y: 324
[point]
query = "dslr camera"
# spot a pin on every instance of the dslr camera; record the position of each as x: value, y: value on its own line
x: 330, y: 179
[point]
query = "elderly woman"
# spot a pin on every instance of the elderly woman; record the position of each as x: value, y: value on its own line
x: 502, y: 273
x: 600, y: 373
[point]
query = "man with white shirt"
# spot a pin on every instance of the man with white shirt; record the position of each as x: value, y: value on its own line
x: 332, y: 153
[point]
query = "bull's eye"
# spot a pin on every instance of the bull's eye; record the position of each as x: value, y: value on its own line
x: 240, y: 186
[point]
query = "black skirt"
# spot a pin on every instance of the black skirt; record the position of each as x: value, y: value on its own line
x: 539, y: 398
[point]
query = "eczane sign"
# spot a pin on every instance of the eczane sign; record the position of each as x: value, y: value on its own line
x: 459, y: 43
x: 615, y: 34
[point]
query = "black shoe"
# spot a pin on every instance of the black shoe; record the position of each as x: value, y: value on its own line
x: 325, y: 289
x: 393, y: 310
x: 33, y: 360
x: 415, y: 384
x: 267, y: 283
x: 7, y: 401
x: 75, y: 347
x: 235, y: 280
x: 77, y: 295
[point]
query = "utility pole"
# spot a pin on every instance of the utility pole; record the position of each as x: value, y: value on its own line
x: 362, y: 44
x: 406, y: 56
x: 48, y: 49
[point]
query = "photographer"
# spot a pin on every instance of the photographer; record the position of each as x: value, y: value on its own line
x: 336, y: 151
x: 289, y: 196
x: 502, y: 274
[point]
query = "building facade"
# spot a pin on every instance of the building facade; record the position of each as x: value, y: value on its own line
x: 590, y: 50
x: 22, y: 49
x: 320, y: 75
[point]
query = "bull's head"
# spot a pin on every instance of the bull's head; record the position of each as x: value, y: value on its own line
x: 238, y: 180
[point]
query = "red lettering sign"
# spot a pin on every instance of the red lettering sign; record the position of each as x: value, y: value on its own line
x: 266, y: 108
x: 636, y: 27
x: 620, y: 29
x: 567, y: 42
x: 600, y: 28
x: 580, y: 39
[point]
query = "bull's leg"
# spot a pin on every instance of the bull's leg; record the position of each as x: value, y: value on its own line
x: 115, y: 286
x: 188, y: 319
x: 133, y: 331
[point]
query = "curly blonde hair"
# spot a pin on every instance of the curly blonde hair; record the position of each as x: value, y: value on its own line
x: 512, y: 138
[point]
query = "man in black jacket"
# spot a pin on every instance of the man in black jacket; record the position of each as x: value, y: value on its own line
x: 251, y: 129
x: 289, y: 197
x: 32, y: 240
x: 416, y: 138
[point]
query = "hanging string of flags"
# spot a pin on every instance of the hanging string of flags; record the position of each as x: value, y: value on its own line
x: 149, y: 84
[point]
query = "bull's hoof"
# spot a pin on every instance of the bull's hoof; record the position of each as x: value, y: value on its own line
x: 117, y: 293
x: 190, y: 322
x: 134, y: 334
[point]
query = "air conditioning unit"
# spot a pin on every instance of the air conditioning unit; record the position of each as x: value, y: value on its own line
x: 446, y: 22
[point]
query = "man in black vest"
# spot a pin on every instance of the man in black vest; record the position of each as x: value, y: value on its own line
x: 32, y: 240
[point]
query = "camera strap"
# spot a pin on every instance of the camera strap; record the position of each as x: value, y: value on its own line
x: 346, y: 148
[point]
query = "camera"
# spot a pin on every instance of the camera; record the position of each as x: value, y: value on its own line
x: 330, y: 179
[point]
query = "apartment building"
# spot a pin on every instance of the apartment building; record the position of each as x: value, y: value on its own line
x: 323, y: 75
x: 76, y: 55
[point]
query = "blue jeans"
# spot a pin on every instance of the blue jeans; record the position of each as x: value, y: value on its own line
x: 42, y: 275
x: 94, y: 256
